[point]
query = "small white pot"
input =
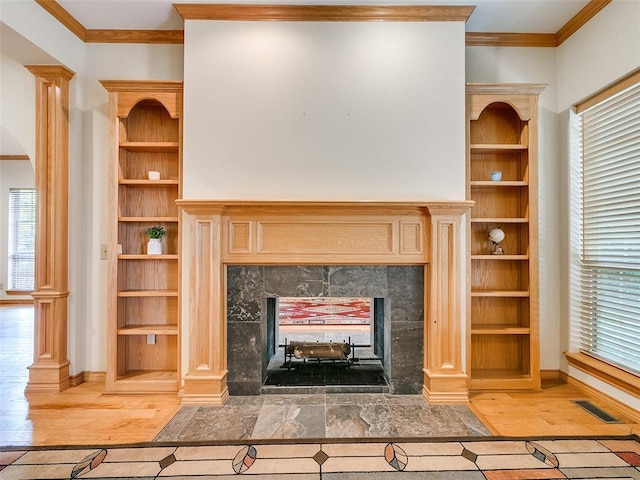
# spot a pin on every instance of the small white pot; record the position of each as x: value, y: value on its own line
x: 154, y: 246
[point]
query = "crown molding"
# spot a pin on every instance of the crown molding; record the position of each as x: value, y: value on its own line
x: 495, y: 39
x: 58, y: 12
x: 579, y: 19
x: 324, y: 13
x: 135, y: 36
x: 51, y: 71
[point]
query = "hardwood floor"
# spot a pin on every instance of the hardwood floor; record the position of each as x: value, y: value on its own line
x: 86, y: 415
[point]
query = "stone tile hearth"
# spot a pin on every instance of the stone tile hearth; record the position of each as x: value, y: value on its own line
x: 322, y: 416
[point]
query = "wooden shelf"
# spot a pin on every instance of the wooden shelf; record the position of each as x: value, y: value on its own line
x: 151, y: 147
x: 500, y: 293
x: 149, y: 375
x: 147, y: 293
x: 149, y: 219
x: 500, y: 220
x: 149, y: 330
x: 497, y: 148
x: 147, y: 257
x: 492, y: 329
x: 500, y: 257
x: 498, y: 184
x: 149, y: 183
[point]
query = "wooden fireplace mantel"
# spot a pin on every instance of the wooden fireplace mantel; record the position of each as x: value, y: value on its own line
x: 233, y: 232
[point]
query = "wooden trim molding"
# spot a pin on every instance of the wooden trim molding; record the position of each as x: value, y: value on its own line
x: 496, y: 39
x: 135, y: 36
x: 609, y: 91
x: 626, y: 410
x: 579, y: 19
x: 16, y: 301
x: 324, y: 13
x: 14, y: 157
x: 84, y: 377
x: 396, y: 13
x: 58, y: 12
x: 606, y: 372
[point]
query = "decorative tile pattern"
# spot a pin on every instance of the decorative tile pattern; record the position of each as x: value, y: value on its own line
x: 498, y: 459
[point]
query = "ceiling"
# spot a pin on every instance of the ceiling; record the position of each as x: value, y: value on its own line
x: 515, y: 16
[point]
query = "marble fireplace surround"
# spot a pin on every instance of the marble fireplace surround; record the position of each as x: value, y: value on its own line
x: 249, y: 341
x: 219, y: 234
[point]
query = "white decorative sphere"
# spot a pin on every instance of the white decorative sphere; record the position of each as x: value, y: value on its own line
x: 496, y: 235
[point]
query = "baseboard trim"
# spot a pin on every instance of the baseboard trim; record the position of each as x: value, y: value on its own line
x: 82, y: 377
x: 552, y: 376
x: 625, y: 409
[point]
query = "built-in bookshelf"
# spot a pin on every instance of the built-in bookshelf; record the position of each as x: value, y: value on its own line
x: 502, y: 143
x: 144, y: 290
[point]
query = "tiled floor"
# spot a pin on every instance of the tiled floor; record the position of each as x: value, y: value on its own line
x: 322, y: 416
x: 448, y: 460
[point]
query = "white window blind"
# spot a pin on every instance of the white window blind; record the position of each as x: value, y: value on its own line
x: 22, y: 238
x: 610, y: 270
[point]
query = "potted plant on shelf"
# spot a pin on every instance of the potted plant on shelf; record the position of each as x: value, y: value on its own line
x: 154, y: 245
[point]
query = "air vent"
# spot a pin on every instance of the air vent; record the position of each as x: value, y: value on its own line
x: 595, y: 411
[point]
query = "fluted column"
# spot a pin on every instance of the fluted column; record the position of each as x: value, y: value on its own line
x: 50, y: 369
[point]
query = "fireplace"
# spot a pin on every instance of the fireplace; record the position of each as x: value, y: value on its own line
x: 250, y: 344
x: 237, y: 254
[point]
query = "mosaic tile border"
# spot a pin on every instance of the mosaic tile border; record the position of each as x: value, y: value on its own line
x: 444, y: 459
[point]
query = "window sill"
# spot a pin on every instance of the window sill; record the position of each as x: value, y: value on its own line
x: 19, y: 292
x: 610, y: 374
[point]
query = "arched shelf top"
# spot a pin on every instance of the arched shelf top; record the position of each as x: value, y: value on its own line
x: 498, y: 123
x: 169, y: 103
x: 130, y: 94
x: 517, y: 96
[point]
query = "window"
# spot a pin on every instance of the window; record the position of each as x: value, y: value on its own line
x: 22, y: 238
x: 609, y: 326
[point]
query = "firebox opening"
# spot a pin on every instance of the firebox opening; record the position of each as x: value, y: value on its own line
x: 326, y: 341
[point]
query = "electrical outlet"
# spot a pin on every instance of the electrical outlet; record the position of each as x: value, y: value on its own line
x: 103, y: 251
x: 151, y: 339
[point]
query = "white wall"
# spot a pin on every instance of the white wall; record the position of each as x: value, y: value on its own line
x: 601, y: 52
x: 13, y: 174
x: 535, y: 65
x: 17, y: 109
x: 324, y: 111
